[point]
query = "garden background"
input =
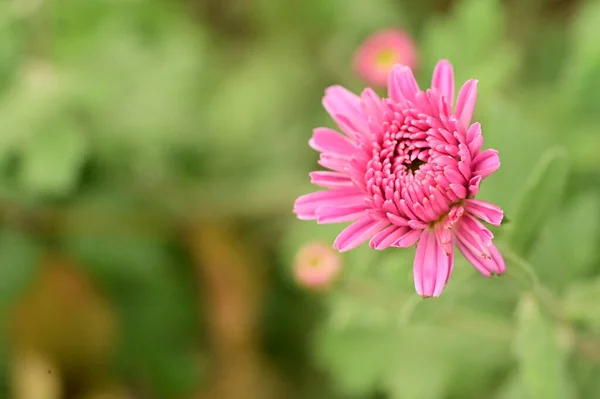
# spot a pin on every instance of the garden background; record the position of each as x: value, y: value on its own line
x: 150, y: 155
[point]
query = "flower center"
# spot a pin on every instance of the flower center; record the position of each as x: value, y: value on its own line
x: 414, y: 171
x: 387, y: 58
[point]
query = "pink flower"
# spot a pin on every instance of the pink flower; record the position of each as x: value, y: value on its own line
x: 407, y: 170
x: 316, y: 265
x: 376, y: 57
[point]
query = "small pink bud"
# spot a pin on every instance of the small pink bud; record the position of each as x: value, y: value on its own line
x: 377, y: 55
x: 316, y: 265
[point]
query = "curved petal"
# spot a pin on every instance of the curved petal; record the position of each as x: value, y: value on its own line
x: 357, y: 233
x: 340, y: 214
x: 475, y: 242
x: 408, y: 239
x: 328, y: 140
x: 474, y: 236
x: 307, y: 204
x: 443, y: 80
x: 486, y: 163
x: 474, y: 139
x: 444, y: 237
x: 344, y: 107
x: 465, y: 103
x: 402, y: 85
x: 485, y: 211
x: 486, y: 266
x: 330, y: 179
x: 432, y: 266
x: 387, y: 237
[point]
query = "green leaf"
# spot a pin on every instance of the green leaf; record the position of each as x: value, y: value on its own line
x: 119, y: 257
x: 541, y: 357
x: 581, y: 302
x: 567, y: 243
x: 357, y: 357
x: 52, y: 160
x: 511, y: 389
x: 541, y: 196
x: 19, y: 260
x: 580, y: 81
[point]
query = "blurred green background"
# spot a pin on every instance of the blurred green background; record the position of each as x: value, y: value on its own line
x: 150, y: 154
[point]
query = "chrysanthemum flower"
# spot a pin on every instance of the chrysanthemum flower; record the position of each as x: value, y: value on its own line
x: 376, y: 57
x: 406, y: 171
x: 316, y: 265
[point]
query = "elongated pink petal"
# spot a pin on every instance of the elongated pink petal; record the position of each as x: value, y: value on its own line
x: 486, y: 266
x: 408, y: 239
x: 339, y: 101
x: 474, y: 236
x: 328, y: 140
x: 330, y: 179
x: 340, y: 214
x: 443, y: 80
x: 486, y: 163
x: 371, y: 105
x: 474, y: 139
x: 402, y: 84
x: 444, y: 237
x: 432, y: 266
x: 334, y: 162
x: 397, y: 220
x: 465, y: 103
x: 485, y: 211
x: 357, y: 233
x: 388, y: 236
x: 474, y: 185
x: 306, y: 205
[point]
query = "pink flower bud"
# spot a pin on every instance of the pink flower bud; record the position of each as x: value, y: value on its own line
x: 377, y: 55
x: 316, y: 265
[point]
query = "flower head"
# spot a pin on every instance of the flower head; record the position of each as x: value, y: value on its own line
x: 376, y: 57
x: 406, y: 171
x: 316, y: 265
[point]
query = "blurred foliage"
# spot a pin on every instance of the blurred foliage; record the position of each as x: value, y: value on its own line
x: 128, y: 124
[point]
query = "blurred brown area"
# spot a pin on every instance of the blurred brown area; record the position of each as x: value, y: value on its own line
x: 65, y: 323
x: 232, y: 276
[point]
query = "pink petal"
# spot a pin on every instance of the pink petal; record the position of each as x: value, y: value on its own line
x: 444, y: 237
x: 330, y: 179
x: 408, y: 239
x: 328, y: 140
x: 334, y: 162
x: 474, y: 185
x: 459, y: 190
x: 465, y: 103
x: 339, y: 101
x: 474, y: 242
x: 485, y: 266
x: 485, y: 211
x: 474, y: 139
x: 371, y: 105
x: 387, y: 237
x: 486, y: 163
x: 402, y: 85
x: 357, y: 233
x: 306, y: 205
x: 432, y: 266
x: 443, y: 80
x: 397, y: 220
x: 340, y: 214
x: 474, y: 235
